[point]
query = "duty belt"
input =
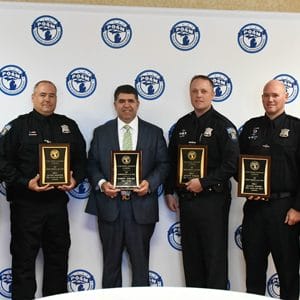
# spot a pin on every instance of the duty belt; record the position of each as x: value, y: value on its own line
x: 281, y: 195
x: 185, y: 195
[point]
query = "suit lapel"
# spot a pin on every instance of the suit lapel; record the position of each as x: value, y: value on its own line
x: 115, y: 135
x: 141, y: 132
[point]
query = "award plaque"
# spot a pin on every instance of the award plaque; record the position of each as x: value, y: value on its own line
x: 54, y: 164
x: 192, y: 160
x: 126, y: 169
x: 254, y: 176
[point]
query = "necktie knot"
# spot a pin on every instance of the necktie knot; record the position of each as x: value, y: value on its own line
x: 127, y: 127
x: 127, y: 138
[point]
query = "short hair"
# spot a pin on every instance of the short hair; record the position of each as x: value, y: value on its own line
x: 203, y: 77
x: 44, y: 81
x: 126, y: 89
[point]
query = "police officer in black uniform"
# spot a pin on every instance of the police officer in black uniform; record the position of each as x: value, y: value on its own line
x: 204, y: 203
x: 271, y: 225
x: 39, y: 216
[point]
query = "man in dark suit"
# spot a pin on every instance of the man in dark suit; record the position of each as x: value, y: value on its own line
x: 126, y: 219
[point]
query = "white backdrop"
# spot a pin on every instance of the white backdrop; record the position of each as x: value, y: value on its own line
x: 89, y: 50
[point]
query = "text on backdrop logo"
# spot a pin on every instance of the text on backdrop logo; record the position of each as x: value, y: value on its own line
x: 155, y: 279
x: 222, y: 86
x: 252, y: 38
x: 46, y: 30
x: 116, y: 33
x: 185, y: 35
x: 81, y: 82
x: 80, y: 280
x: 13, y: 80
x: 291, y: 86
x: 150, y: 84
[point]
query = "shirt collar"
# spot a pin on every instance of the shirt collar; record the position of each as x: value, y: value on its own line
x: 133, y: 124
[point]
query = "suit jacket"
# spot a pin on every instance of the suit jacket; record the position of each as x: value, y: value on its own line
x: 155, y: 166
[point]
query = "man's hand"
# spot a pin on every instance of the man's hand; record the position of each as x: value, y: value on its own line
x: 109, y: 190
x: 143, y: 189
x: 171, y: 202
x: 255, y: 198
x: 33, y: 185
x: 292, y: 217
x: 69, y: 187
x: 194, y: 186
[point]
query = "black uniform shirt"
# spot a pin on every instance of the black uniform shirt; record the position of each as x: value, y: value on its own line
x: 220, y: 136
x: 19, y: 146
x: 280, y: 139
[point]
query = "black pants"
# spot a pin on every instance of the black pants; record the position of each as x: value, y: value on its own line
x: 204, y: 238
x: 39, y: 223
x: 264, y: 232
x: 123, y: 233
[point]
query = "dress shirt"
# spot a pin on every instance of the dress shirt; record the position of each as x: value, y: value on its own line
x: 133, y: 130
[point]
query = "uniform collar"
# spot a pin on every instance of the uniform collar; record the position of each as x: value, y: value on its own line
x: 39, y: 116
x: 207, y: 114
x: 277, y: 121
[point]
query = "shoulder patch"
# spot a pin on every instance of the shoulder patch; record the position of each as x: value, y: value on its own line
x: 232, y: 133
x: 5, y: 130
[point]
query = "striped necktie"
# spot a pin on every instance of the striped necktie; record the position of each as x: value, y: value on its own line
x: 127, y: 138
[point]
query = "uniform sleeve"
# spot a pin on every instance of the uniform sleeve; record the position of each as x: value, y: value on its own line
x: 173, y: 152
x: 243, y: 140
x: 229, y: 155
x: 9, y: 147
x: 78, y: 157
x: 296, y: 204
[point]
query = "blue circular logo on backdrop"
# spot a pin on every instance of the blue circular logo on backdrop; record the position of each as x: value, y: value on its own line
x: 116, y: 33
x: 46, y: 30
x: 222, y: 86
x: 291, y: 86
x: 150, y: 84
x: 160, y: 190
x: 81, y: 82
x: 252, y: 38
x: 13, y: 80
x: 184, y: 35
x: 5, y: 283
x: 82, y: 190
x: 80, y: 280
x: 174, y: 236
x: 155, y: 279
x: 2, y: 188
x: 273, y: 286
x: 238, y: 237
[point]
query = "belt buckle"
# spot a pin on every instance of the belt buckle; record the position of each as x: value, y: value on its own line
x: 125, y: 195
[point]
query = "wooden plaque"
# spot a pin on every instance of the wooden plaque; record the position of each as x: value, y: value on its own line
x: 54, y: 164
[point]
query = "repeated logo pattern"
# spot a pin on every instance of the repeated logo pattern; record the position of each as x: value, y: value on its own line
x: 13, y: 80
x: 291, y: 85
x: 46, y: 30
